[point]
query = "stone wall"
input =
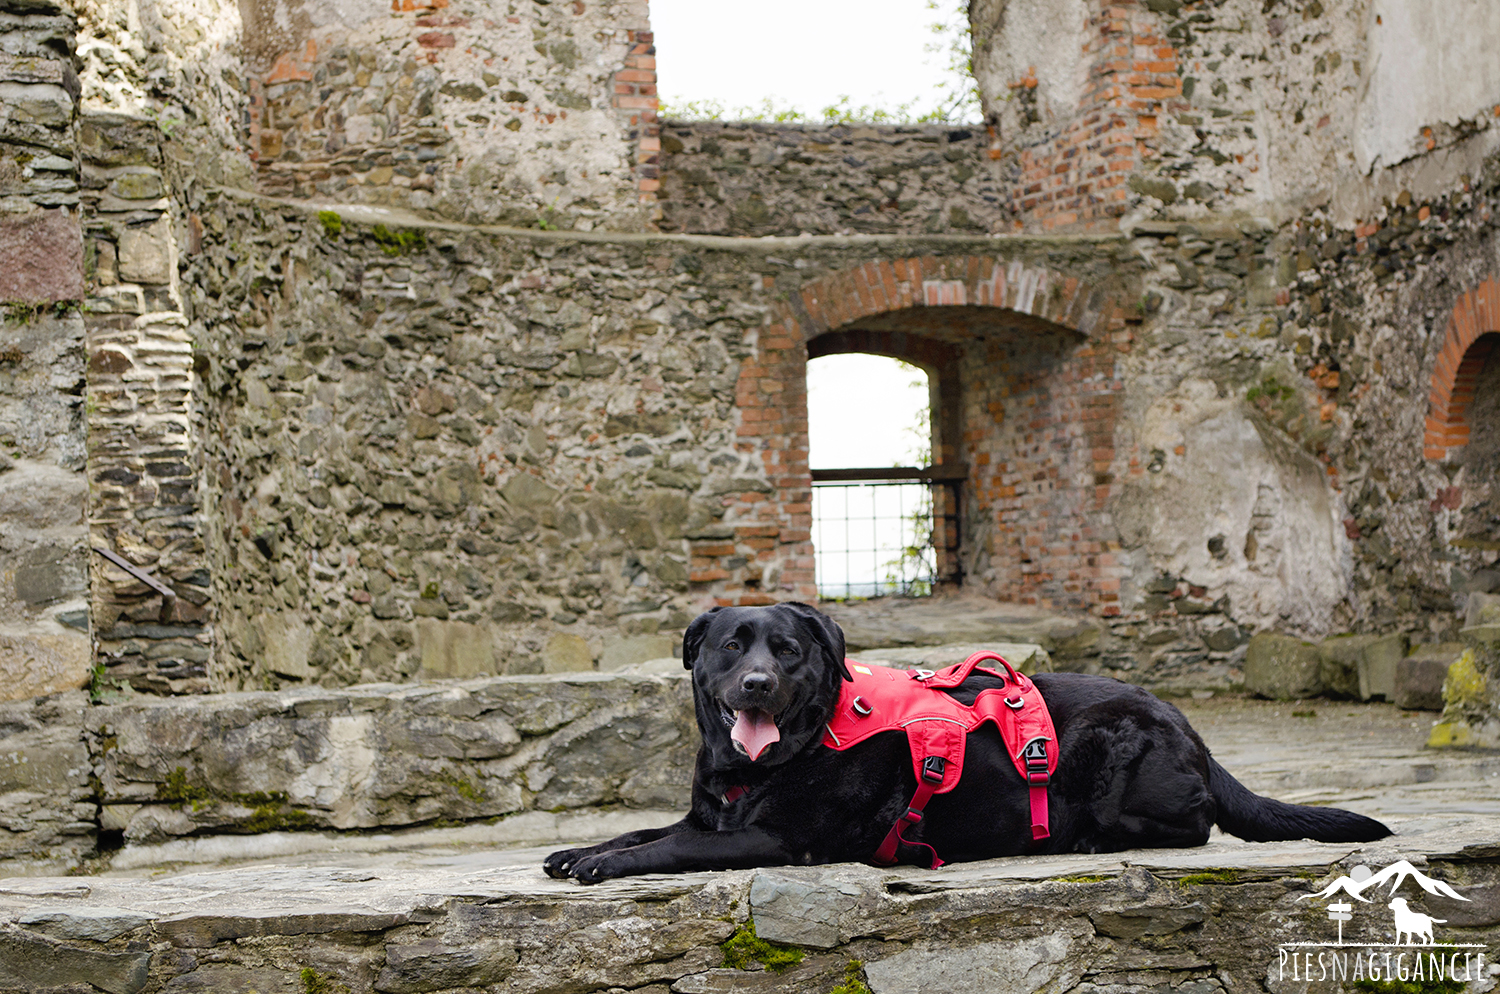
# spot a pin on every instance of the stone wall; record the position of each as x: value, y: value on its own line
x: 523, y: 114
x: 44, y: 647
x: 782, y: 179
x: 362, y: 431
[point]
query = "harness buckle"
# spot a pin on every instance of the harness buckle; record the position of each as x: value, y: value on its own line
x: 1015, y: 703
x: 911, y: 817
x: 1035, y: 755
x: 861, y: 707
x: 933, y: 768
x: 922, y: 675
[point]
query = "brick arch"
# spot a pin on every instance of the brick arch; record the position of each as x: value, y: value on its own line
x: 884, y: 286
x: 1473, y: 332
x: 762, y: 550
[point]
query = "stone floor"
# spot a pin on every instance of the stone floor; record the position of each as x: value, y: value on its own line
x: 448, y: 910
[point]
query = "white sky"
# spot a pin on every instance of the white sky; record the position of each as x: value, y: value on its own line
x: 862, y: 412
x: 804, y: 53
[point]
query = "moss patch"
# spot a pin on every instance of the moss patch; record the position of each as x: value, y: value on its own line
x: 398, y: 242
x: 1088, y: 878
x: 268, y: 810
x: 465, y: 788
x: 314, y: 982
x: 1225, y: 876
x: 743, y: 947
x: 1407, y: 987
x: 176, y: 791
x: 854, y: 979
x: 333, y: 225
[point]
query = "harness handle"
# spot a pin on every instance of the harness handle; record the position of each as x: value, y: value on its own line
x: 955, y: 675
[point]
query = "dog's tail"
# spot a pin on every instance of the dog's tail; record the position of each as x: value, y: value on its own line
x: 1245, y: 814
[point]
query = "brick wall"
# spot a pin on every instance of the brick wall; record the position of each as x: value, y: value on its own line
x: 1076, y: 175
x: 1041, y: 405
x: 635, y: 95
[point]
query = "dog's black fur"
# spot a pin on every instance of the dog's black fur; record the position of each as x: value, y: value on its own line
x: 1131, y: 772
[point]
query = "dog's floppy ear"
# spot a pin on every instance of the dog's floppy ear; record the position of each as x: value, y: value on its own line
x: 826, y: 632
x: 692, y: 639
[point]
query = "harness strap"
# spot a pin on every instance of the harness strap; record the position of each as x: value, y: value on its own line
x: 1035, y: 754
x: 931, y: 780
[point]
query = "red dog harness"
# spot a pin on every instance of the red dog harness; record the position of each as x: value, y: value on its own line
x: 937, y: 727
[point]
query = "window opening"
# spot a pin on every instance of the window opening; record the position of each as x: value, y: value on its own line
x: 870, y: 443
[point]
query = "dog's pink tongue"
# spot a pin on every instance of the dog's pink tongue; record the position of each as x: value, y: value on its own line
x: 754, y: 730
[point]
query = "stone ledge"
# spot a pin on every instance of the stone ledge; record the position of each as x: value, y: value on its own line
x: 1192, y: 921
x: 368, y: 214
x: 387, y: 756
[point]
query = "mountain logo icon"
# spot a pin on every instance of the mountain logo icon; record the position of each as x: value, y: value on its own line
x: 1361, y: 879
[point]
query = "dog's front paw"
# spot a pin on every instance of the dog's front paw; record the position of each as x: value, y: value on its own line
x: 560, y: 864
x: 598, y: 867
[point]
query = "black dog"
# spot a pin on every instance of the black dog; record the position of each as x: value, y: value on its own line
x: 1131, y: 772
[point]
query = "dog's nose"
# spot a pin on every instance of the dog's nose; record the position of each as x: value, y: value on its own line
x: 757, y: 683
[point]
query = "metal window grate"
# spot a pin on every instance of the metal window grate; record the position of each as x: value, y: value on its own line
x: 873, y: 539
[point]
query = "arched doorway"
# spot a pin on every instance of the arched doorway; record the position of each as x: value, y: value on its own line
x: 1477, y: 527
x: 1027, y: 395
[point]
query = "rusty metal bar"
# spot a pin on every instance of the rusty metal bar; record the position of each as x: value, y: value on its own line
x: 168, y: 595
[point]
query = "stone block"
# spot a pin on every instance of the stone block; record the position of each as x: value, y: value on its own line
x: 44, y: 769
x: 621, y: 651
x: 1282, y: 668
x: 90, y: 924
x: 1339, y: 664
x: 29, y: 961
x: 46, y: 104
x: 34, y: 663
x: 49, y: 575
x: 145, y: 253
x: 41, y: 257
x: 1419, y: 677
x: 454, y: 649
x: 567, y: 653
x: 1482, y: 611
x: 801, y: 912
x: 285, y: 639
x: 527, y: 493
x: 138, y: 184
x: 1362, y: 666
x: 385, y: 755
x: 1026, y: 658
x: 1377, y: 667
x: 1019, y: 966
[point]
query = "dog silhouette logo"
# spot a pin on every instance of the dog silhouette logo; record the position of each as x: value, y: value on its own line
x: 1410, y: 924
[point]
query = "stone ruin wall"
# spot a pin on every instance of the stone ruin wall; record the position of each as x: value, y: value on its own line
x: 435, y: 448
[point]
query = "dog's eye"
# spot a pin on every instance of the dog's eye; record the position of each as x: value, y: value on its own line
x: 789, y: 650
x: 732, y: 645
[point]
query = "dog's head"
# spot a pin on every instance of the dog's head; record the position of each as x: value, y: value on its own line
x: 765, y: 679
